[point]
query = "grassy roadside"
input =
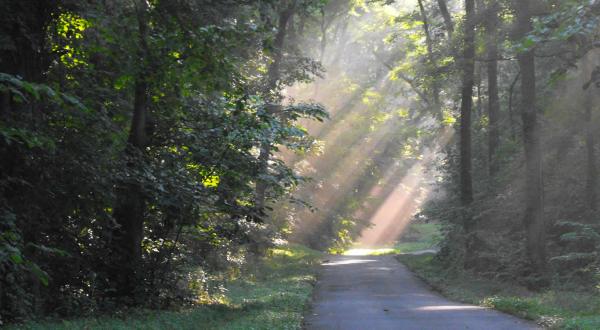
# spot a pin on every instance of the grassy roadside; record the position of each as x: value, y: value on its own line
x: 417, y: 237
x: 274, y: 297
x: 554, y: 309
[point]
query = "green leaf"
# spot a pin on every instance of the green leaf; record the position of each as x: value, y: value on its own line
x: 41, y: 275
x: 16, y: 258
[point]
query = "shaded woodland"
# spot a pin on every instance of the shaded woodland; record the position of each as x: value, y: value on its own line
x: 148, y: 146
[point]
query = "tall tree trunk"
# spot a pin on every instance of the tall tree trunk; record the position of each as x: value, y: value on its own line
x: 466, y: 108
x: 511, y: 101
x: 324, y: 27
x: 435, y: 89
x: 592, y: 174
x: 301, y: 25
x: 479, y: 89
x: 273, y: 98
x: 130, y: 208
x: 447, y: 18
x: 590, y: 144
x: 341, y: 45
x: 493, y: 98
x: 533, y: 221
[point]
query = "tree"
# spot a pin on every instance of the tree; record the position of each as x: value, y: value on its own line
x: 592, y: 172
x: 533, y: 218
x: 447, y: 17
x: 273, y: 97
x: 435, y: 89
x: 129, y: 212
x: 492, y: 21
x: 128, y: 132
x: 466, y: 108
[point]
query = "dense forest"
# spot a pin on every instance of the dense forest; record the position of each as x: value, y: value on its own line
x: 150, y: 150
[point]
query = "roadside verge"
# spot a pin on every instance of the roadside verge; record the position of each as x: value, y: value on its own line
x: 554, y: 309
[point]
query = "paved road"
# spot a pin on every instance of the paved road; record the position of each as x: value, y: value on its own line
x: 380, y: 293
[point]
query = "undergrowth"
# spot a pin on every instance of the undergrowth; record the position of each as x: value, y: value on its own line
x: 555, y: 308
x: 417, y: 236
x: 273, y: 296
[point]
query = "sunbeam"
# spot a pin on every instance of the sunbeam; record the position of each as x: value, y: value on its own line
x: 391, y: 218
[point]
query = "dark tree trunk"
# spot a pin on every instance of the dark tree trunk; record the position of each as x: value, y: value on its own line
x: 511, y: 101
x: 493, y: 98
x: 592, y: 174
x: 435, y: 89
x: 131, y: 205
x: 533, y: 220
x: 26, y: 25
x: 590, y: 144
x: 273, y: 98
x: 466, y: 108
x: 479, y: 89
x: 447, y: 18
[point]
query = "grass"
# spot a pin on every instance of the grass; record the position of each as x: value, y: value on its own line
x: 417, y: 237
x: 555, y: 309
x: 273, y: 297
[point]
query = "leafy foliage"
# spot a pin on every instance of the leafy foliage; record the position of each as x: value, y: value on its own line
x: 74, y: 79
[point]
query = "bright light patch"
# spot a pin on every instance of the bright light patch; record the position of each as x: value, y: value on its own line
x: 449, y: 308
x: 211, y: 181
x: 348, y: 262
x: 367, y: 252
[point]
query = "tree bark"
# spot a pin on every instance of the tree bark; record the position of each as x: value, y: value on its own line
x: 466, y: 108
x: 479, y: 89
x: 435, y: 89
x: 129, y: 211
x: 272, y: 98
x: 533, y: 220
x: 592, y: 174
x: 447, y: 18
x: 493, y: 98
x: 511, y: 101
x: 590, y: 144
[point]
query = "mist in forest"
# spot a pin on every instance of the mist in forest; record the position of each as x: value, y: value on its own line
x: 372, y: 173
x: 162, y: 155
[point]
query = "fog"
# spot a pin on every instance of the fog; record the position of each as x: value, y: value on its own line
x: 374, y: 169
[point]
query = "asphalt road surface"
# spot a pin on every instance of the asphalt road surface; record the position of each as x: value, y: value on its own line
x: 370, y: 293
